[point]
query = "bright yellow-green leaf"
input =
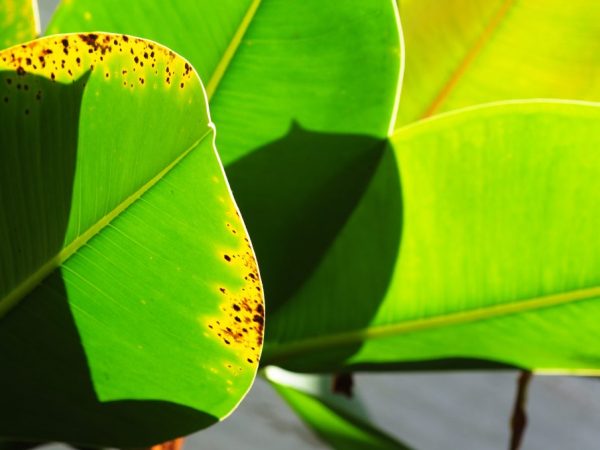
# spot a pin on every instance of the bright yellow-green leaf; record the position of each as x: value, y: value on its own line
x: 19, y: 22
x: 465, y: 52
x: 492, y: 253
x: 132, y: 304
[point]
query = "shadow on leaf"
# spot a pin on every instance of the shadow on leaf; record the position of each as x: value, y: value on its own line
x: 48, y: 391
x: 325, y: 215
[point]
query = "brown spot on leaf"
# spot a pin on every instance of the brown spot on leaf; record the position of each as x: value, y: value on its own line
x: 89, y: 39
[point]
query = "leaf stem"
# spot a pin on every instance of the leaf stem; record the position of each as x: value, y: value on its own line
x: 518, y: 421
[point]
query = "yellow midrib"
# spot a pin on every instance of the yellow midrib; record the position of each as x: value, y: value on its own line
x: 279, y: 353
x: 470, y: 56
x: 26, y: 286
x: 231, y: 49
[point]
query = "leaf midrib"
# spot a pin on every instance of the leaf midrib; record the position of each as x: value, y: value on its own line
x: 468, y: 59
x: 282, y: 352
x: 25, y: 287
x: 231, y: 49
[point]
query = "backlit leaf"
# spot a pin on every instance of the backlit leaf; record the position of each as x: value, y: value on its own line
x: 492, y: 255
x: 466, y: 52
x: 132, y: 304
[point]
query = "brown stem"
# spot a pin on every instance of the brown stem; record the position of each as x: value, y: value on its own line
x: 342, y: 383
x: 519, y: 416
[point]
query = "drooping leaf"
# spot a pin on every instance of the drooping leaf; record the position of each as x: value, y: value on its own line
x: 19, y: 22
x: 338, y: 421
x: 495, y: 255
x: 466, y: 52
x: 302, y: 92
x: 132, y: 306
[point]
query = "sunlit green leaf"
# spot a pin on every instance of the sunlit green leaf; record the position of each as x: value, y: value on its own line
x: 492, y: 253
x: 131, y: 300
x: 465, y: 52
x: 19, y: 22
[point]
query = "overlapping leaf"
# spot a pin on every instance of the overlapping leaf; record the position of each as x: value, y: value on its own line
x: 344, y: 291
x: 133, y: 308
x: 359, y: 268
x: 495, y: 255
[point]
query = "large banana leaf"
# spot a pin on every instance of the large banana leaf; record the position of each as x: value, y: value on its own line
x: 132, y: 306
x: 465, y: 52
x: 19, y: 22
x: 492, y: 252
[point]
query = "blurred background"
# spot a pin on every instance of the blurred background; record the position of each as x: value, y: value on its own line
x: 428, y: 411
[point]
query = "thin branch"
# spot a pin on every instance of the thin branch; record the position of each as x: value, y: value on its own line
x: 342, y: 383
x: 518, y: 421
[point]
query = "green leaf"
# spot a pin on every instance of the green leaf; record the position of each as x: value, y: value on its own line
x: 269, y: 64
x: 133, y: 308
x: 338, y: 421
x: 493, y: 253
x: 465, y: 52
x: 19, y: 22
